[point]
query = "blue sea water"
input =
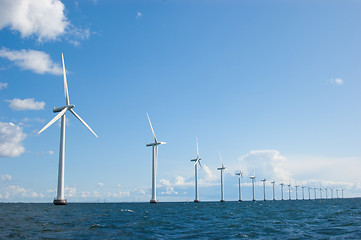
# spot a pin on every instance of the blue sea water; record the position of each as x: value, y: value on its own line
x: 309, y: 219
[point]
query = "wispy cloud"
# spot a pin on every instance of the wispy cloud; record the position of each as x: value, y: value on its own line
x: 100, y: 184
x: 11, y: 137
x: 36, y: 61
x: 337, y: 81
x: 6, y: 177
x: 3, y: 85
x: 25, y: 104
x: 42, y: 18
x: 139, y: 15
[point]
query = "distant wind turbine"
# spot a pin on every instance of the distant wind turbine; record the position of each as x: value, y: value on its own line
x: 240, y: 175
x: 154, y: 162
x: 314, y: 189
x: 60, y: 200
x: 221, y: 168
x: 326, y: 193
x: 253, y: 178
x: 303, y: 192
x: 309, y: 193
x: 337, y: 193
x: 289, y: 191
x: 273, y: 190
x: 342, y: 192
x: 320, y: 192
x: 331, y: 193
x: 196, y: 162
x: 296, y: 191
x: 282, y: 190
x: 264, y: 189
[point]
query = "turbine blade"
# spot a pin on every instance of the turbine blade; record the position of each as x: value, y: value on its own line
x: 81, y: 120
x: 65, y: 83
x: 196, y: 162
x: 150, y: 123
x: 197, y: 147
x: 220, y: 156
x: 59, y: 115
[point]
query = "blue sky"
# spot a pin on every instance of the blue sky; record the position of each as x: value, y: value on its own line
x: 272, y: 85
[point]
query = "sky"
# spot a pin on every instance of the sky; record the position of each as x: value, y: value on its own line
x: 272, y: 86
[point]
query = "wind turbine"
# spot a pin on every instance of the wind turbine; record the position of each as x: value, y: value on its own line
x: 221, y: 168
x: 240, y: 175
x: 282, y: 190
x: 273, y: 190
x: 342, y: 192
x: 314, y: 189
x: 337, y: 193
x: 154, y: 164
x: 303, y: 192
x: 296, y: 191
x: 197, y: 160
x: 331, y: 193
x: 289, y: 191
x: 320, y: 192
x: 60, y: 200
x: 253, y: 178
x: 326, y: 193
x: 309, y: 193
x: 264, y: 189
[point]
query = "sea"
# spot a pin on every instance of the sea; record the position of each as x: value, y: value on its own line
x: 288, y: 219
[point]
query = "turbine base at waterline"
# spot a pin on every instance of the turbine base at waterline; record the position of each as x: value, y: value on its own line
x: 153, y: 201
x: 197, y: 200
x: 222, y: 200
x: 60, y: 202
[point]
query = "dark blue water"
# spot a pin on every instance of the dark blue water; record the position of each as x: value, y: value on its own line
x: 315, y: 219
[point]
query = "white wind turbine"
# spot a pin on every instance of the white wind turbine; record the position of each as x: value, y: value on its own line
x: 221, y: 168
x: 296, y: 191
x: 240, y: 175
x: 309, y: 193
x: 282, y: 184
x: 303, y: 192
x: 197, y: 160
x: 264, y: 189
x: 253, y: 178
x: 326, y: 193
x: 273, y: 190
x: 60, y: 200
x: 154, y: 162
x: 289, y: 191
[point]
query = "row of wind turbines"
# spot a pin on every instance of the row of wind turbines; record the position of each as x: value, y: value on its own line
x: 60, y: 200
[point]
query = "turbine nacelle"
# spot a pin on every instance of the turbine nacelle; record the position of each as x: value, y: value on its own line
x: 155, y: 144
x: 59, y: 109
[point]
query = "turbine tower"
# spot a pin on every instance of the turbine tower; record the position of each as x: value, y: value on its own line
x: 326, y: 193
x: 264, y: 189
x: 240, y: 175
x: 221, y: 168
x: 154, y: 162
x: 197, y: 160
x: 253, y: 178
x: 282, y: 190
x: 331, y: 193
x: 320, y: 193
x: 273, y: 190
x: 60, y: 200
x: 296, y: 191
x: 337, y: 193
x: 342, y: 192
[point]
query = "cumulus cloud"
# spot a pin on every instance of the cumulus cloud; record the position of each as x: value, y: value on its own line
x: 100, y: 184
x: 269, y: 164
x: 42, y: 18
x: 11, y: 137
x: 36, y: 61
x: 25, y: 104
x: 6, y: 177
x: 337, y: 81
x: 3, y: 85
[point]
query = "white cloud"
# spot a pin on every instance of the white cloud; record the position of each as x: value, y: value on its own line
x: 6, y: 177
x: 269, y: 164
x: 337, y: 81
x: 25, y: 104
x: 69, y: 191
x: 36, y: 61
x: 42, y: 18
x: 100, y: 184
x: 139, y: 15
x: 3, y: 85
x: 11, y: 137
